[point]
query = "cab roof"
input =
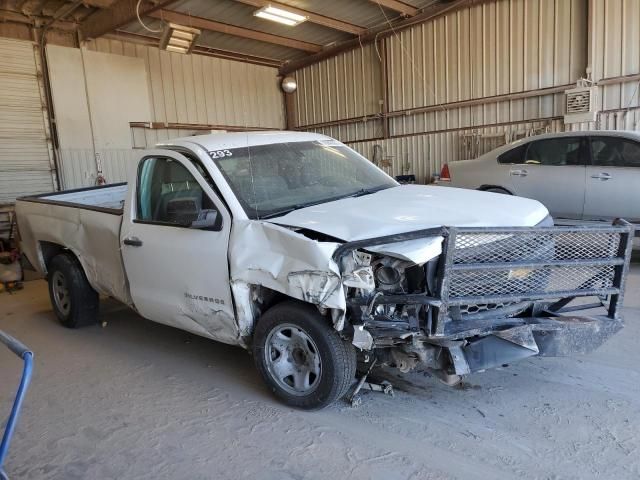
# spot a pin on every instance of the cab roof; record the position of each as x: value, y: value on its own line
x: 221, y: 141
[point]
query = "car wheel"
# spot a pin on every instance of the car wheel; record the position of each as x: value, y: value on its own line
x: 74, y: 301
x: 302, y: 359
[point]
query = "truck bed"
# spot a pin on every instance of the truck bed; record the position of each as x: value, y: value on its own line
x: 85, y: 221
x: 108, y: 198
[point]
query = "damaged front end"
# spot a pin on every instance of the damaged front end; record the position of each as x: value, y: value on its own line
x: 492, y: 297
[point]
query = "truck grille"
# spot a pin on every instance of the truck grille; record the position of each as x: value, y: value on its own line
x: 530, y: 280
x: 489, y: 247
x: 491, y: 266
x: 488, y: 273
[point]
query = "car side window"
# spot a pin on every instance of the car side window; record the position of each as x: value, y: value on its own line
x: 615, y: 152
x: 555, y: 152
x: 167, y: 193
x: 513, y: 156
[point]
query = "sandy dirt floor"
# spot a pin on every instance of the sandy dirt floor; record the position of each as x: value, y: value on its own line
x: 141, y: 400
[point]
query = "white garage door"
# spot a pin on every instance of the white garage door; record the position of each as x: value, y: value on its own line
x: 25, y: 162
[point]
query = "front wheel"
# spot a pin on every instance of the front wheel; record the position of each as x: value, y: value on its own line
x: 301, y: 358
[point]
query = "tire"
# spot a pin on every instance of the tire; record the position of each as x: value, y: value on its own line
x: 302, y: 359
x: 74, y: 301
x: 497, y: 190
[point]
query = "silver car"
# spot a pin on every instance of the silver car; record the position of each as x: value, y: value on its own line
x: 592, y: 175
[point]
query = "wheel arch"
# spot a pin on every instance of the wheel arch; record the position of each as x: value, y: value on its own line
x: 253, y: 300
x: 269, y: 298
x: 49, y: 250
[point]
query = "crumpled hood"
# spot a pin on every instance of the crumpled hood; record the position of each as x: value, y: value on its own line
x: 414, y: 207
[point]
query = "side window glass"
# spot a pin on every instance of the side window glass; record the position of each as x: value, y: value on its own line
x: 513, y: 156
x: 167, y: 193
x: 555, y: 152
x: 615, y: 152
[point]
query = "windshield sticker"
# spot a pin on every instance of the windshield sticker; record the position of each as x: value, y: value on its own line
x: 220, y: 153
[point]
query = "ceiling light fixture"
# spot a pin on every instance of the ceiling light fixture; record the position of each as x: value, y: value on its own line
x: 280, y: 15
x: 178, y: 38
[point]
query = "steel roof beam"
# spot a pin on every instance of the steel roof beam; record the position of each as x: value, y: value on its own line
x: 214, y: 26
x: 397, y: 6
x: 7, y: 16
x: 117, y: 15
x: 316, y: 18
x: 200, y: 50
x: 434, y: 11
x: 99, y: 3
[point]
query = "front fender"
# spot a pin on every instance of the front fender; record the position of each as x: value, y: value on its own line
x: 282, y: 260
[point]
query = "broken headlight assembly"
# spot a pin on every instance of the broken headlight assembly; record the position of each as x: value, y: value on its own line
x: 377, y: 287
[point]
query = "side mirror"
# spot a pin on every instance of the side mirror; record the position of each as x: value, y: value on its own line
x: 207, y: 220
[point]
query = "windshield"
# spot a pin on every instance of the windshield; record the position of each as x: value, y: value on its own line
x: 271, y: 180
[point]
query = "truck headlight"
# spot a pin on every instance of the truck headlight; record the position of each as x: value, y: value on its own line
x: 387, y: 276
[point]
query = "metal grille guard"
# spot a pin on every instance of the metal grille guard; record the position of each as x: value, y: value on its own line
x: 541, y: 265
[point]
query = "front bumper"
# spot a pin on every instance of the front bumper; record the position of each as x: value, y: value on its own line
x: 534, y: 271
x: 543, y: 336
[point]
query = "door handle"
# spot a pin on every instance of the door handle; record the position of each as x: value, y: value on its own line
x: 518, y: 173
x: 602, y: 176
x: 132, y: 241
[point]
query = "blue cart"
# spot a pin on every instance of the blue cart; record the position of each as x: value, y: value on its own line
x: 27, y: 356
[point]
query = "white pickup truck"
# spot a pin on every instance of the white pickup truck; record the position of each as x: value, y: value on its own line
x: 296, y: 247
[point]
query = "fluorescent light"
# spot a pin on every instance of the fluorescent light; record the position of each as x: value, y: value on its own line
x: 178, y: 38
x: 275, y: 18
x: 183, y: 35
x: 284, y: 13
x: 280, y: 15
x: 173, y: 48
x: 178, y: 42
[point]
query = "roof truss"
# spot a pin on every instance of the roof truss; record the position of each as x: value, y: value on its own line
x: 397, y: 6
x: 214, y: 26
x: 429, y: 13
x: 115, y: 16
x: 316, y: 18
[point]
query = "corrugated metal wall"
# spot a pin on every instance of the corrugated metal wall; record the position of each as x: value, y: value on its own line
x: 183, y: 89
x: 345, y: 86
x: 530, y: 49
x: 25, y: 156
x: 614, y: 62
x: 495, y: 48
x: 204, y: 90
x: 79, y: 167
x: 489, y: 49
x: 424, y: 154
x: 615, y: 51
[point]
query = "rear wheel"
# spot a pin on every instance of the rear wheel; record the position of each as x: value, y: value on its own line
x: 74, y: 301
x: 301, y: 358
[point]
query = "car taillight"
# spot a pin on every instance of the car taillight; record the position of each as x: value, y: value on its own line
x: 444, y: 173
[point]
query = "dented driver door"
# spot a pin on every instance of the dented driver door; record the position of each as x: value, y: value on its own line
x: 174, y: 241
